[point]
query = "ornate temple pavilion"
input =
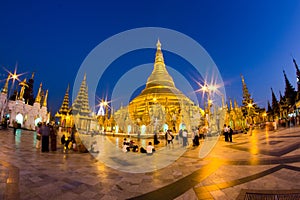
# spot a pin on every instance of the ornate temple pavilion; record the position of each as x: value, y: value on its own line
x: 79, y: 113
x: 21, y: 106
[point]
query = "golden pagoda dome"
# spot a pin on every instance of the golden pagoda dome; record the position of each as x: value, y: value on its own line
x: 160, y: 90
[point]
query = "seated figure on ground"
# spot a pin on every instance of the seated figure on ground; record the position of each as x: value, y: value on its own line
x: 150, y: 149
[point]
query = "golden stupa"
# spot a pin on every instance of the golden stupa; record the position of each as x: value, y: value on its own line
x: 161, y: 103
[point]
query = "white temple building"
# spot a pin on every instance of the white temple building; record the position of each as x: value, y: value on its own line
x: 22, y: 107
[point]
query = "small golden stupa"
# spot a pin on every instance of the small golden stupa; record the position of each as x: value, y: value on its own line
x: 161, y: 100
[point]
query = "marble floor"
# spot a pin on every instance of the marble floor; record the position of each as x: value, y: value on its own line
x: 265, y: 165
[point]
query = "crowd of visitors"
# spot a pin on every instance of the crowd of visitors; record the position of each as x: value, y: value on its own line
x: 44, y: 134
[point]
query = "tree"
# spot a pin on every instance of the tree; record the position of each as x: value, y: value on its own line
x: 275, y: 105
x: 289, y: 93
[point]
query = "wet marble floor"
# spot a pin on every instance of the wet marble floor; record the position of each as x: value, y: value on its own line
x: 264, y: 164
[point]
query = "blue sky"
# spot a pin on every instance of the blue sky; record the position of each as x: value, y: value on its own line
x: 253, y: 38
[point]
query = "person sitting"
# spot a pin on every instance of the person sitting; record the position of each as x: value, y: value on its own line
x: 63, y: 141
x: 94, y: 148
x: 150, y: 149
x: 133, y: 146
x: 143, y: 150
x: 67, y: 143
x: 125, y: 148
x: 125, y: 142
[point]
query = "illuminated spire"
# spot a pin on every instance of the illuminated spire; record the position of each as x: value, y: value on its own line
x: 236, y: 105
x: 45, y: 99
x: 38, y: 96
x: 64, y: 109
x: 81, y: 104
x: 5, y: 88
x: 159, y: 76
x: 230, y: 104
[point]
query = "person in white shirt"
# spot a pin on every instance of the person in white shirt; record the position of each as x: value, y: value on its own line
x: 226, y: 130
x: 150, y: 149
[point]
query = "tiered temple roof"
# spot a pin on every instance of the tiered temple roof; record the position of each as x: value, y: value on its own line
x: 64, y: 109
x: 81, y: 104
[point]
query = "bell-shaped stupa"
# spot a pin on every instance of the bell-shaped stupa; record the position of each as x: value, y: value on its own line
x: 161, y: 100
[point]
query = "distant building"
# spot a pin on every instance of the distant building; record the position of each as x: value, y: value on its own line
x: 22, y: 107
x: 79, y: 114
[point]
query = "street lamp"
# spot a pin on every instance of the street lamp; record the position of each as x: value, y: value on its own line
x: 208, y: 89
x: 249, y: 105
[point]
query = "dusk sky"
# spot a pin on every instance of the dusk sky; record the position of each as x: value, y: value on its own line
x: 257, y: 39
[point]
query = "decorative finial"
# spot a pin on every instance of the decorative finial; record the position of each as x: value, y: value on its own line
x: 32, y: 76
x: 243, y: 80
x: 5, y: 89
x: 45, y: 99
x: 39, y: 95
x: 158, y: 45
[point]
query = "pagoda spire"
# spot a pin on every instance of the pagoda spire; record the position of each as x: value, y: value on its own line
x: 159, y: 58
x: 159, y: 76
x: 247, y: 101
x: 45, y: 99
x: 64, y: 109
x: 236, y: 106
x: 5, y: 88
x: 246, y: 95
x: 81, y: 104
x: 38, y: 96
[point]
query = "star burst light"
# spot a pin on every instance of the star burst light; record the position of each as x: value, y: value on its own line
x: 209, y: 88
x: 14, y: 76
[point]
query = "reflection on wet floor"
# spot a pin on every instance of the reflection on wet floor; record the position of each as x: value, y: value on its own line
x: 265, y: 163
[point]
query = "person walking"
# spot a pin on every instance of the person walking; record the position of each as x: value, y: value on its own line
x: 53, y: 136
x: 15, y: 126
x: 196, y: 137
x: 170, y: 137
x: 230, y: 132
x: 184, y: 138
x: 250, y: 130
x: 225, y: 130
x: 45, y: 132
x: 38, y: 136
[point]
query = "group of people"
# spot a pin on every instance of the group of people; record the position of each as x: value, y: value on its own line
x: 195, y: 135
x: 44, y: 132
x: 130, y: 145
x: 227, y: 132
x: 70, y: 142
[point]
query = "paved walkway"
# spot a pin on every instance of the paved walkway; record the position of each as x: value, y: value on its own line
x: 263, y: 165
